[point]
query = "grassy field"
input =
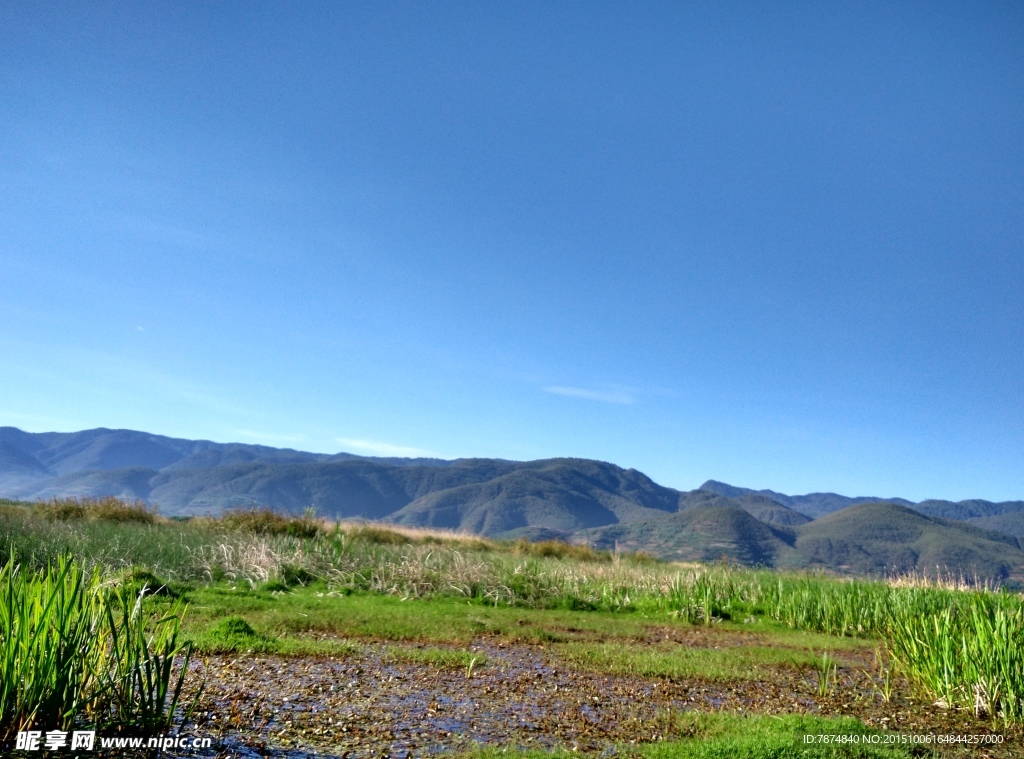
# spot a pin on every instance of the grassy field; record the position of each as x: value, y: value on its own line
x: 707, y: 660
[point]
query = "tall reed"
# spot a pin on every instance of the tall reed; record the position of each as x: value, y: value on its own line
x: 971, y: 655
x: 141, y: 688
x: 49, y: 627
x: 74, y: 650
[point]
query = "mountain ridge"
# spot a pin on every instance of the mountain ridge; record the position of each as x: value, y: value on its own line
x: 568, y: 498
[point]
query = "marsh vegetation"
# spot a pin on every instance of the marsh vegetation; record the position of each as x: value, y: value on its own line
x: 695, y: 645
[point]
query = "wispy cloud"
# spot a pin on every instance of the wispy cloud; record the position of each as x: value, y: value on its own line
x: 603, y: 396
x: 377, y: 448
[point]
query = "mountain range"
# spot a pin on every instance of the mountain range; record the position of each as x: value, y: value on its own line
x: 565, y: 498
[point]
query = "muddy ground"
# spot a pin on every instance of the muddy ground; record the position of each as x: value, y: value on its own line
x: 374, y: 704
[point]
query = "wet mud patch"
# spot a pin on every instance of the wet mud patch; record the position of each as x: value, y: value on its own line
x: 374, y: 703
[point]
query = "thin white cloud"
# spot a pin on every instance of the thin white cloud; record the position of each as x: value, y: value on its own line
x: 377, y: 448
x: 603, y: 396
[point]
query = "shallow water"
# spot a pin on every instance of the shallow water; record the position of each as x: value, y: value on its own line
x: 370, y: 704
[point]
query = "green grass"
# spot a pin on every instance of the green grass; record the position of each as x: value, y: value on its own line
x: 825, y: 672
x: 74, y: 650
x: 675, y: 662
x: 970, y: 656
x: 731, y: 736
x: 168, y: 549
x: 788, y: 637
x: 602, y: 641
x: 315, y: 609
x: 442, y: 658
x: 234, y: 634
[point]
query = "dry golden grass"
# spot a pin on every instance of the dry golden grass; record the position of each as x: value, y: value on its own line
x: 942, y: 579
x: 557, y: 549
x: 395, y: 534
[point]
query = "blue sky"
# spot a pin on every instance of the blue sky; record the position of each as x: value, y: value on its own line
x: 777, y: 246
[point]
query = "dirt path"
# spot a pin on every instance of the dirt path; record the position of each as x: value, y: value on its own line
x: 373, y: 704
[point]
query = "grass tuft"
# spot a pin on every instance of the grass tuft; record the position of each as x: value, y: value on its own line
x: 442, y: 658
x: 825, y: 668
x: 694, y: 735
x: 234, y: 633
x: 269, y: 522
x: 105, y: 509
x: 680, y: 663
x: 557, y: 549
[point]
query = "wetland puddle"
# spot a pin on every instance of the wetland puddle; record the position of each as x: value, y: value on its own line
x: 376, y: 704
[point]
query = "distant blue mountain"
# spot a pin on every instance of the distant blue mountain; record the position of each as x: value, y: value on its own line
x: 813, y: 504
x: 567, y: 498
x: 818, y: 504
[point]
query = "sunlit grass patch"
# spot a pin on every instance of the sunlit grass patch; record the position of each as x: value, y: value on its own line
x: 558, y: 549
x: 234, y: 634
x: 301, y: 645
x: 318, y: 609
x: 730, y: 736
x: 442, y: 658
x: 387, y: 533
x: 680, y: 662
x: 769, y: 632
x: 315, y: 609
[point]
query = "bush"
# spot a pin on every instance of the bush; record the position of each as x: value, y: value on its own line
x: 63, y: 510
x: 273, y: 586
x: 557, y: 549
x: 372, y: 533
x: 234, y: 634
x: 107, y: 508
x: 269, y: 522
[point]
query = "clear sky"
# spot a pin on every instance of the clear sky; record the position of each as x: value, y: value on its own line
x: 780, y: 245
